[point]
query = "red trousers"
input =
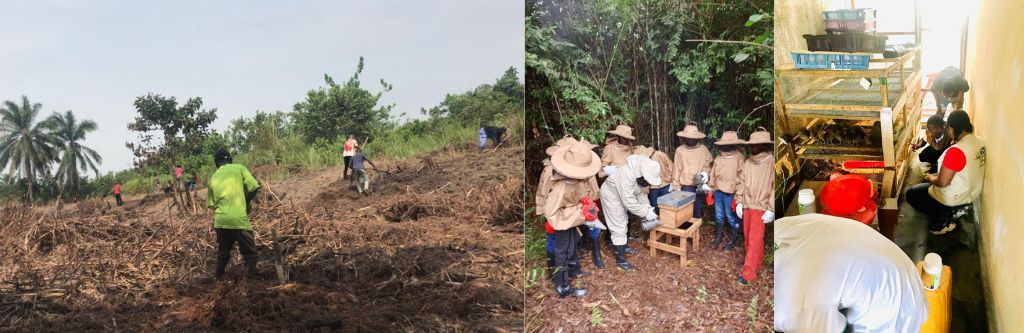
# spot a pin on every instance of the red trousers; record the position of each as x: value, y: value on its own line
x: 753, y: 238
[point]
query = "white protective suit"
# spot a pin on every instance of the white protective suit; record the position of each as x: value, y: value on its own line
x: 832, y: 272
x: 620, y: 192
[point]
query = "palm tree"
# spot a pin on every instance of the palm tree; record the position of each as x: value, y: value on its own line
x: 25, y: 146
x: 73, y: 155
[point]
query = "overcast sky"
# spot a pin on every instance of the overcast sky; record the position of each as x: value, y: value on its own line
x: 95, y: 57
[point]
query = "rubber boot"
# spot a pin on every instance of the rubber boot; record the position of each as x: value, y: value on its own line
x: 719, y: 232
x: 570, y: 291
x: 620, y: 259
x: 596, y: 254
x: 250, y: 268
x: 551, y: 266
x: 222, y: 265
x: 734, y: 236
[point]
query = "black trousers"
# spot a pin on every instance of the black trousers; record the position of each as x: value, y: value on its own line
x: 930, y: 155
x: 917, y: 197
x: 117, y: 197
x: 348, y: 166
x: 567, y: 260
x: 226, y: 239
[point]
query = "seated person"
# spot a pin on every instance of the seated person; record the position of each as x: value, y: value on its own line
x: 935, y: 143
x: 946, y: 196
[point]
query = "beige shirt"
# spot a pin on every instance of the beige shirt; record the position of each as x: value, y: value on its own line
x: 726, y: 171
x: 562, y: 206
x: 614, y: 154
x: 689, y: 162
x: 666, y: 167
x: 543, y: 187
x: 755, y: 188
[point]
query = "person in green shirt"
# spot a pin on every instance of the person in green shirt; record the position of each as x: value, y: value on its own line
x: 229, y: 193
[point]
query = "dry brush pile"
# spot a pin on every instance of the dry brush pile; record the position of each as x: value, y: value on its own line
x: 404, y: 262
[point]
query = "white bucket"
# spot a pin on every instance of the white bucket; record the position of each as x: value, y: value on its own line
x: 933, y: 266
x: 805, y: 199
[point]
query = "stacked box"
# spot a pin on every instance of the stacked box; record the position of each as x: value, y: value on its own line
x: 831, y: 60
x: 860, y: 20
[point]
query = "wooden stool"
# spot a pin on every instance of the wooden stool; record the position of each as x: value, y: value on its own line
x: 687, y: 231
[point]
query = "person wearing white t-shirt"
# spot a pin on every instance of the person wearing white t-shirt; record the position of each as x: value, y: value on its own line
x: 947, y: 195
x: 834, y: 274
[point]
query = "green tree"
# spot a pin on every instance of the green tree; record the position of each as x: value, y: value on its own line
x: 26, y: 147
x: 181, y: 129
x: 73, y: 155
x: 484, y: 104
x: 340, y: 109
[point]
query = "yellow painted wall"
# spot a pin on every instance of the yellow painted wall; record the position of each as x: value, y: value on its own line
x: 995, y: 70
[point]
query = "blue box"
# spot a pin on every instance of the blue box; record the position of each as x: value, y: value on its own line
x: 831, y: 60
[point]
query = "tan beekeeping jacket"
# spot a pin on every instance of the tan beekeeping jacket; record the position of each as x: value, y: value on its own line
x: 726, y: 171
x: 688, y: 162
x: 666, y: 167
x: 543, y: 187
x: 614, y: 154
x: 756, y: 186
x: 562, y: 206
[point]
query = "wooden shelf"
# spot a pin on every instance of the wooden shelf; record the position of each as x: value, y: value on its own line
x: 893, y: 100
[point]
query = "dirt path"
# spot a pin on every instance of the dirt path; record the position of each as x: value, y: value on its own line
x: 661, y: 296
x: 438, y: 246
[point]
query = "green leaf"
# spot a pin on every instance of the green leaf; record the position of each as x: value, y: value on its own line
x: 740, y: 57
x: 754, y: 19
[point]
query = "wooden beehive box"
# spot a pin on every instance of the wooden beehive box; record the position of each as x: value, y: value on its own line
x: 675, y: 216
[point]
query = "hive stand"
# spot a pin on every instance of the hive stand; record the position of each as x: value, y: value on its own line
x: 688, y: 231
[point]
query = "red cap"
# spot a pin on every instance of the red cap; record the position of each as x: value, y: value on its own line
x: 845, y: 195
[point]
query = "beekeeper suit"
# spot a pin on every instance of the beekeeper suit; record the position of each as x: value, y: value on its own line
x: 622, y: 192
x: 834, y: 274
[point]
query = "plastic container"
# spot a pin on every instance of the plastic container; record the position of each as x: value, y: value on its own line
x: 849, y: 26
x: 939, y: 313
x: 858, y: 43
x: 852, y: 42
x: 831, y: 60
x: 818, y: 42
x: 805, y: 199
x: 850, y: 14
x: 933, y: 271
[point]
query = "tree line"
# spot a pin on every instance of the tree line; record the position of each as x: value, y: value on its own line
x: 45, y: 158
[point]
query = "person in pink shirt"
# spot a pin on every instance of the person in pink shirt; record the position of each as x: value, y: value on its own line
x: 117, y: 193
x: 349, y: 151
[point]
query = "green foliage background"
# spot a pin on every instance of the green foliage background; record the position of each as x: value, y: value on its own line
x: 594, y: 64
x: 309, y: 137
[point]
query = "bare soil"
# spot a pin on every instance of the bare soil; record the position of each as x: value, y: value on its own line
x: 436, y: 246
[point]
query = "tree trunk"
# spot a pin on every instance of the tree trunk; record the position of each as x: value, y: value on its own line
x: 28, y: 167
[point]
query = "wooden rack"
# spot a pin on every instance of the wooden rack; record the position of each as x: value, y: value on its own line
x: 893, y: 99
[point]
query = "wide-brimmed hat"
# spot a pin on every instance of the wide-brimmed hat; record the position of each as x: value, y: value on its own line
x: 623, y: 131
x: 643, y: 151
x: 650, y: 170
x: 690, y: 131
x: 576, y: 160
x: 845, y: 195
x: 564, y: 141
x: 730, y: 138
x: 760, y: 136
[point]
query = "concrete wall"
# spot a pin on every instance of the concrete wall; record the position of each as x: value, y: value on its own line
x: 995, y: 70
